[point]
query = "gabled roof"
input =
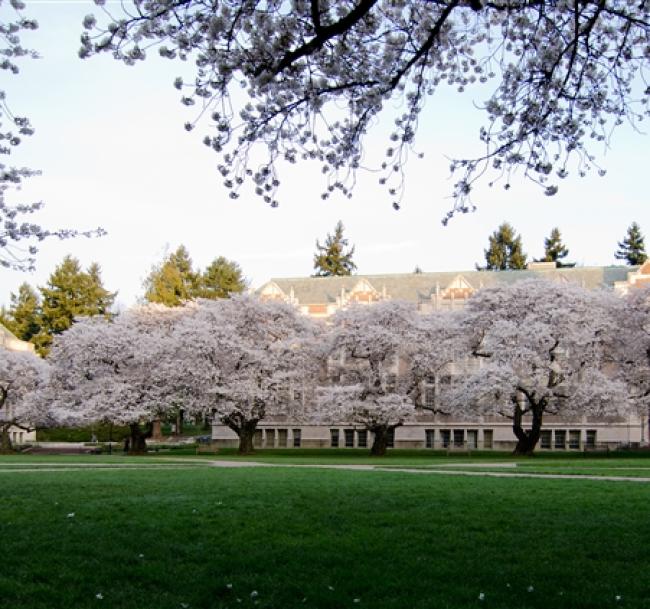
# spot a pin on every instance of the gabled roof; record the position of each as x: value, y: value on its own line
x: 10, y: 342
x: 419, y: 287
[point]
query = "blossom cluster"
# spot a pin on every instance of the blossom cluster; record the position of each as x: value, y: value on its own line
x: 307, y: 80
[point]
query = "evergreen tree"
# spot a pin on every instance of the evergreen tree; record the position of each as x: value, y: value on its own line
x: 70, y: 292
x: 221, y: 278
x: 632, y: 248
x: 174, y: 281
x: 554, y: 249
x: 23, y: 317
x: 505, y: 251
x: 331, y: 258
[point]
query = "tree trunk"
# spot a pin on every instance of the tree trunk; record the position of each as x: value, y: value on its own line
x: 157, y: 430
x: 527, y: 438
x: 5, y: 441
x: 137, y: 442
x: 179, y: 422
x: 380, y: 441
x: 246, y: 434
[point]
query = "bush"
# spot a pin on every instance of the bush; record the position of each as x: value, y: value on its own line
x: 103, y: 432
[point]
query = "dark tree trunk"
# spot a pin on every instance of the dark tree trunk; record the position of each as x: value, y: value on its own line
x: 380, y: 441
x: 5, y: 441
x: 246, y: 433
x: 527, y: 438
x: 137, y: 441
x: 179, y: 422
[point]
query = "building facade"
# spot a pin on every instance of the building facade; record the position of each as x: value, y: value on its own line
x: 321, y: 297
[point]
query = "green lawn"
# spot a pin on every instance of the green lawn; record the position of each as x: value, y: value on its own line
x: 280, y: 538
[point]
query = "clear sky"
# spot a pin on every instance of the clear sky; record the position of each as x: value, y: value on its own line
x: 113, y: 153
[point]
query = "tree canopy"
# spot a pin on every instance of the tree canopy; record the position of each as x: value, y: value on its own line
x: 632, y: 248
x: 71, y: 292
x: 175, y: 280
x: 331, y: 258
x: 314, y: 76
x: 505, y: 251
x: 554, y: 249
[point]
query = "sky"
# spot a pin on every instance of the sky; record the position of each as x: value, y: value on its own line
x: 113, y: 152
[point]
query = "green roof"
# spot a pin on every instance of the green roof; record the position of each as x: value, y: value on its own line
x: 419, y: 287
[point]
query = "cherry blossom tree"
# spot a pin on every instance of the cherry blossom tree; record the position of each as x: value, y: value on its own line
x: 543, y: 349
x: 632, y: 346
x: 558, y: 77
x: 109, y: 370
x: 244, y: 360
x: 22, y: 376
x: 369, y: 383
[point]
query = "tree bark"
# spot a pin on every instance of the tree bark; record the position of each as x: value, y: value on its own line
x: 157, y: 430
x: 137, y: 442
x: 179, y: 422
x: 527, y: 438
x: 380, y: 441
x: 5, y: 441
x: 246, y: 433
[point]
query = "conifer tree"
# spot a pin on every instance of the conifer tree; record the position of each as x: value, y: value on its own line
x: 554, y: 249
x: 70, y: 292
x: 332, y: 259
x: 174, y: 281
x: 632, y: 248
x: 505, y: 251
x: 23, y: 317
x: 221, y: 278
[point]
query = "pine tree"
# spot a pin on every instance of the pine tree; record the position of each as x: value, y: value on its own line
x: 23, y: 317
x: 332, y: 259
x: 70, y: 292
x: 554, y: 249
x: 221, y: 278
x: 632, y: 248
x: 505, y: 251
x: 174, y: 281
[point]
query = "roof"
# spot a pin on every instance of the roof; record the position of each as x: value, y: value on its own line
x: 10, y: 342
x: 418, y: 287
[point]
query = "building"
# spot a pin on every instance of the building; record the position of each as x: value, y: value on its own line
x: 321, y: 297
x: 9, y: 342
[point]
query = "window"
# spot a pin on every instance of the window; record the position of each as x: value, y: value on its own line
x: 349, y: 438
x: 296, y: 438
x: 488, y: 435
x: 282, y: 438
x: 430, y: 397
x: 430, y: 436
x: 560, y: 439
x: 445, y: 437
x: 459, y: 437
x: 391, y: 438
x: 334, y: 438
x: 269, y: 441
x: 574, y: 439
x: 362, y: 438
x: 472, y: 438
x: 591, y: 438
x: 545, y: 439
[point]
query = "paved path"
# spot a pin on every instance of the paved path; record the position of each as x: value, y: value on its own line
x: 445, y: 470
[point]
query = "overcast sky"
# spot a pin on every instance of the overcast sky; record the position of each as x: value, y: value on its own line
x: 113, y: 153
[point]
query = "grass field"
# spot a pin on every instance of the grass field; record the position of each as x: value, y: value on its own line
x: 202, y: 537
